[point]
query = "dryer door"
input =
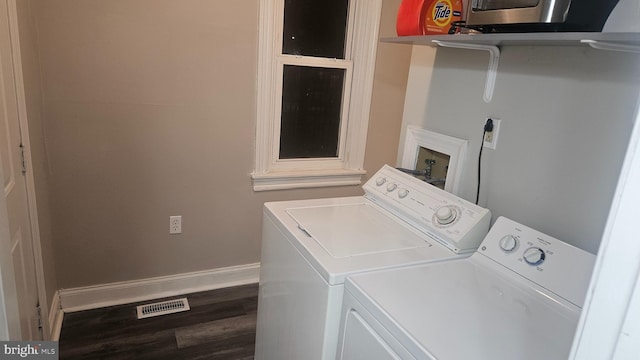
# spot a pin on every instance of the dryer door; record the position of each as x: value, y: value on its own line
x: 363, y: 338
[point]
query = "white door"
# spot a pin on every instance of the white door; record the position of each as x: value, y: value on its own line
x: 15, y: 191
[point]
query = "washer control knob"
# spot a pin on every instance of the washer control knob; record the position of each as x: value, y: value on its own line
x: 380, y: 181
x: 534, y: 256
x: 508, y: 243
x: 391, y: 187
x: 402, y: 193
x: 445, y: 215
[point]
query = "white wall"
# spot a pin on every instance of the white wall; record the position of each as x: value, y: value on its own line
x: 609, y: 326
x: 567, y: 113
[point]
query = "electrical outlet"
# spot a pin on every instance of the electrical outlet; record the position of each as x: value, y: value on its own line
x: 491, y: 137
x: 175, y: 224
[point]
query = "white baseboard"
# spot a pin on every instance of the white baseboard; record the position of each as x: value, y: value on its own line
x: 55, y: 318
x: 97, y: 296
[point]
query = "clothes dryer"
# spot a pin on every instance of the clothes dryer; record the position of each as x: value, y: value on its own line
x: 518, y: 297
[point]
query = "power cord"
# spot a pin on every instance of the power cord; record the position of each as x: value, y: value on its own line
x: 488, y: 127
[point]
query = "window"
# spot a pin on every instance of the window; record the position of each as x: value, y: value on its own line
x: 315, y: 77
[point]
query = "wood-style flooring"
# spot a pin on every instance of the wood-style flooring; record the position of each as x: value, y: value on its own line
x: 220, y: 325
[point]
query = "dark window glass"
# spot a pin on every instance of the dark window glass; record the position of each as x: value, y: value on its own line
x: 311, y: 108
x: 315, y: 28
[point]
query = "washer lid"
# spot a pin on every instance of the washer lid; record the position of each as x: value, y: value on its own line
x: 355, y: 229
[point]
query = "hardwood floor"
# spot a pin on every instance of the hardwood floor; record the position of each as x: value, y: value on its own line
x: 220, y: 325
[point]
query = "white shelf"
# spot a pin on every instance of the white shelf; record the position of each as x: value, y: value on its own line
x: 522, y: 39
x: 621, y: 42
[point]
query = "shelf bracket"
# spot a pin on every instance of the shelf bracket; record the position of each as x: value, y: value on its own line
x: 494, y: 58
x: 612, y: 46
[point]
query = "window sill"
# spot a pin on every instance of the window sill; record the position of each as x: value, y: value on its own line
x: 306, y: 179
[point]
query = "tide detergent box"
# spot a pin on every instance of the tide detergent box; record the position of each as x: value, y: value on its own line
x: 427, y: 17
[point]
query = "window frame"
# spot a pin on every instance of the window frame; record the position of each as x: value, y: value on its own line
x: 311, y: 163
x: 272, y: 173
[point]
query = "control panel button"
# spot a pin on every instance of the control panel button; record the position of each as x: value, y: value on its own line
x: 402, y: 193
x: 380, y: 181
x: 534, y: 256
x: 391, y: 187
x: 508, y: 243
x: 445, y: 215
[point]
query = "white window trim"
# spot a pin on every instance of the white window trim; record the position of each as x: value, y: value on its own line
x: 314, y: 172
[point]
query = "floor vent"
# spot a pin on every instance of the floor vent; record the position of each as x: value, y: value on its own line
x: 163, y: 308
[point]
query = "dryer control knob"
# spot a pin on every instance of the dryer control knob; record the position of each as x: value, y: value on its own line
x: 534, y: 256
x: 392, y: 187
x: 402, y: 193
x: 380, y: 181
x: 445, y: 215
x: 508, y: 243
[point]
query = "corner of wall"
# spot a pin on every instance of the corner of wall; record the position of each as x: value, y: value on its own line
x: 418, y: 86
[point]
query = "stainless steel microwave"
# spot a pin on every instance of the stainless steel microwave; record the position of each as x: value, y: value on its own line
x: 538, y: 15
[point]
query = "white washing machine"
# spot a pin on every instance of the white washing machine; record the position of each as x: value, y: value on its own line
x: 518, y: 297
x: 310, y: 246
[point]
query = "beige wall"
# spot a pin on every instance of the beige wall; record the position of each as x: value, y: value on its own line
x: 31, y: 74
x: 149, y: 111
x: 389, y: 87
